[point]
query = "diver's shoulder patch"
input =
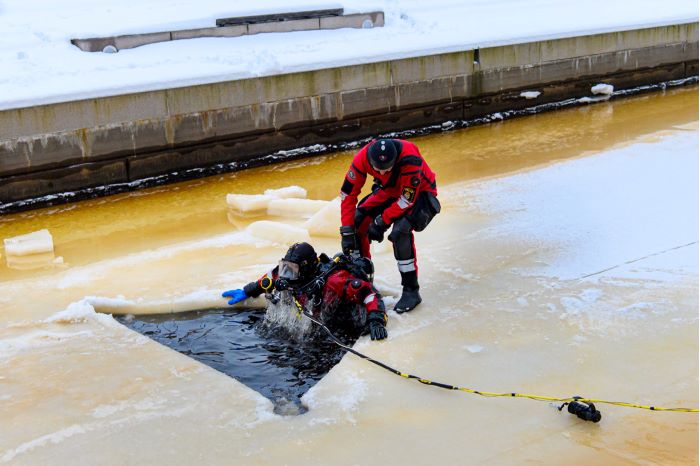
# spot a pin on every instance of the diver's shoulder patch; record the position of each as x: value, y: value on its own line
x: 408, y: 193
x: 351, y: 174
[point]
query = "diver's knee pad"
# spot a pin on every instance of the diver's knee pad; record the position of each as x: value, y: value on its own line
x: 402, y: 237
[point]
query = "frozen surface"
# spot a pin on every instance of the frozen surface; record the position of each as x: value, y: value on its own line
x: 604, y: 223
x: 40, y: 65
x: 278, y: 232
x: 571, y: 268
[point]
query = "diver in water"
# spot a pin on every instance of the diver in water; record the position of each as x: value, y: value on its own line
x: 338, y: 291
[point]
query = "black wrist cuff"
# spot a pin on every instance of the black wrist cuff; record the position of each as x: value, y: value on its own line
x: 376, y: 316
x: 253, y: 289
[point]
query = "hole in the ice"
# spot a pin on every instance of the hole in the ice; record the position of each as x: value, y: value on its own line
x: 241, y: 344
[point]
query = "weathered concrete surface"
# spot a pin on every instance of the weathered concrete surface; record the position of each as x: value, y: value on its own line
x: 129, y: 41
x: 152, y: 133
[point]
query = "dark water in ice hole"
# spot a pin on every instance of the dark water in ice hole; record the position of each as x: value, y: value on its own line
x: 238, y: 343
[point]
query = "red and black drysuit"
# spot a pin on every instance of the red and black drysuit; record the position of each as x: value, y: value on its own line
x: 342, y: 301
x: 397, y: 195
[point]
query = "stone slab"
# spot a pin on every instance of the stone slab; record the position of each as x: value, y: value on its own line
x: 90, y: 113
x: 358, y: 20
x: 367, y: 101
x: 284, y: 26
x: 434, y: 91
x: 528, y: 54
x: 279, y: 17
x: 226, y: 31
x: 16, y: 188
x: 137, y: 40
x: 431, y: 67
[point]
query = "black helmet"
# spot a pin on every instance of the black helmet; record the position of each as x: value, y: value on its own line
x: 382, y: 154
x: 299, y: 264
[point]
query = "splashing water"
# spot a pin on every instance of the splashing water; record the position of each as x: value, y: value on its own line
x: 283, y: 316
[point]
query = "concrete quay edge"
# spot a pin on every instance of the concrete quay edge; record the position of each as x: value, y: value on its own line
x: 73, y: 145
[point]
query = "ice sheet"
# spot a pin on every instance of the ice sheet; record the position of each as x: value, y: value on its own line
x: 278, y: 232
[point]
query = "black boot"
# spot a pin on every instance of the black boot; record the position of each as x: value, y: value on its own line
x: 410, y: 298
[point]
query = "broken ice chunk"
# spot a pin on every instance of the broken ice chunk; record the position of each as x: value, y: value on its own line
x: 326, y: 221
x: 248, y: 203
x: 37, y: 242
x: 602, y: 89
x: 295, y: 207
x: 530, y: 94
x: 296, y: 192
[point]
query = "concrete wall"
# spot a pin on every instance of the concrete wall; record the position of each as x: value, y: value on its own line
x: 74, y: 145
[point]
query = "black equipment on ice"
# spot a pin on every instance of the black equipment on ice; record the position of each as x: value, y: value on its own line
x: 585, y: 411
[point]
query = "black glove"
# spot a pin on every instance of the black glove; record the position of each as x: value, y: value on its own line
x: 377, y: 325
x: 348, y: 240
x: 376, y: 229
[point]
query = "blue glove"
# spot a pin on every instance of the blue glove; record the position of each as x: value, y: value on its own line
x: 236, y: 296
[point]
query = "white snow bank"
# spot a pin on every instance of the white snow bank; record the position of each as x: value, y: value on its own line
x: 39, y: 65
x: 36, y: 242
x: 277, y: 232
x: 325, y: 222
x: 304, y: 208
x: 530, y: 94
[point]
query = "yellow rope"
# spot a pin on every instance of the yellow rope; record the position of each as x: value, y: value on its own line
x: 301, y: 310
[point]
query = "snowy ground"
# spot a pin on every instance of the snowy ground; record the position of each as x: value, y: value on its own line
x: 573, y: 275
x: 39, y: 64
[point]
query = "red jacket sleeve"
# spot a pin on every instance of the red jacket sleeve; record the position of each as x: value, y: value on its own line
x: 264, y: 284
x: 352, y: 185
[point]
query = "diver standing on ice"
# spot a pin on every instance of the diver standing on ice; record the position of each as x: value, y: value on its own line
x: 404, y: 194
x: 339, y: 291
